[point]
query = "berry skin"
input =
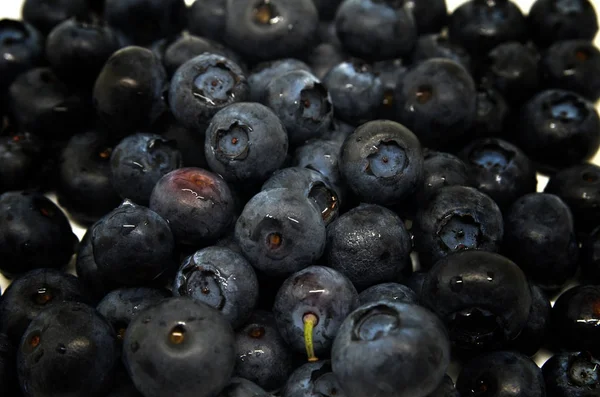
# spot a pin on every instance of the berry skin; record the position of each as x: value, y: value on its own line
x: 45, y: 15
x: 572, y: 374
x: 22, y: 48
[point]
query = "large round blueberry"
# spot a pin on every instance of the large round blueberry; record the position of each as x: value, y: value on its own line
x: 22, y: 48
x: 442, y: 169
x: 572, y: 374
x: 406, y: 343
x: 313, y: 380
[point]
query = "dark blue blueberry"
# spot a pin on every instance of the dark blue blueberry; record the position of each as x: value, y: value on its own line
x: 356, y: 91
x: 207, y: 18
x: 540, y: 237
x: 245, y: 142
x: 501, y: 374
x: 266, y: 72
x: 310, y: 307
x: 281, y: 232
x: 370, y: 245
x: 167, y: 344
x: 500, y: 170
x: 204, y: 85
x: 575, y: 316
x: 480, y: 25
x: 47, y: 14
x: 198, y: 204
x: 313, y: 380
x: 430, y: 16
x: 121, y: 306
x: 554, y: 20
x: 416, y: 280
x: 442, y: 169
x: 590, y: 257
x: 388, y: 291
x: 265, y: 30
x: 468, y: 291
x: 382, y: 162
x: 572, y: 65
x: 302, y: 103
x: 84, y: 184
x: 437, y: 100
x: 240, y: 387
x: 439, y: 46
x: 189, y: 143
x: 33, y: 292
x: 21, y: 47
x: 34, y: 233
x: 221, y: 278
x: 376, y: 30
x: 390, y: 349
x: 559, y: 129
x: 23, y: 161
x: 8, y: 373
x: 324, y: 57
x: 139, y: 161
x: 445, y: 389
x: 129, y: 91
x: 310, y: 184
x: 67, y: 338
x: 144, y: 21
x: 492, y: 116
x: 572, y: 374
x: 457, y: 218
x: 133, y: 245
x: 262, y: 355
x: 535, y: 333
x: 390, y: 72
x: 579, y: 187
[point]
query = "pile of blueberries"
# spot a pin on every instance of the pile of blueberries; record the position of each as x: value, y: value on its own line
x: 301, y: 198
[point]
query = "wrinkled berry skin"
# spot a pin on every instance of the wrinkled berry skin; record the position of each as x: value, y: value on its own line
x: 457, y: 218
x: 280, y: 232
x: 128, y: 93
x: 554, y: 20
x: 382, y: 162
x: 483, y: 298
x: 370, y: 245
x: 407, y: 342
x: 442, y: 169
x: 436, y: 100
x: 504, y: 374
x: 559, y: 129
x: 34, y: 233
x: 572, y: 374
x: 388, y: 291
x: 164, y: 359
x: 313, y: 380
x: 500, y: 170
x: 375, y: 30
x: 539, y: 236
x: 536, y: 330
x: 22, y: 48
x: 45, y: 15
x: 197, y: 204
x: 574, y: 319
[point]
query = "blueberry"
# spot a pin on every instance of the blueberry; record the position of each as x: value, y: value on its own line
x: 128, y: 93
x: 144, y: 21
x: 220, y: 278
x: 390, y: 349
x: 207, y: 18
x: 376, y: 30
x: 302, y: 103
x: 500, y: 170
x: 245, y: 142
x: 439, y: 46
x: 572, y: 65
x: 190, y: 144
x: 68, y: 338
x: 480, y: 25
x: 390, y: 73
x: 536, y: 330
x: 166, y: 344
x: 310, y: 307
x: 139, y: 161
x: 388, y: 291
x: 262, y: 356
x: 122, y: 305
x: 266, y: 72
x: 22, y: 48
x: 559, y: 129
x: 370, y: 245
x: 442, y: 169
x: 502, y: 374
x: 415, y: 282
x: 356, y: 91
x: 430, y: 16
x: 33, y: 292
x: 240, y: 387
x: 322, y: 156
x: 310, y: 184
x: 313, y: 380
x: 493, y: 114
x: 204, y: 85
x: 133, y: 245
x: 84, y: 183
x: 47, y: 14
x: 34, y: 233
x: 540, y: 237
x: 382, y: 162
x: 324, y: 57
x: 265, y: 30
x: 457, y: 218
x: 572, y: 374
x: 578, y: 186
x: 554, y: 20
x: 23, y: 162
x: 280, y: 232
x: 468, y: 291
x: 437, y: 100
